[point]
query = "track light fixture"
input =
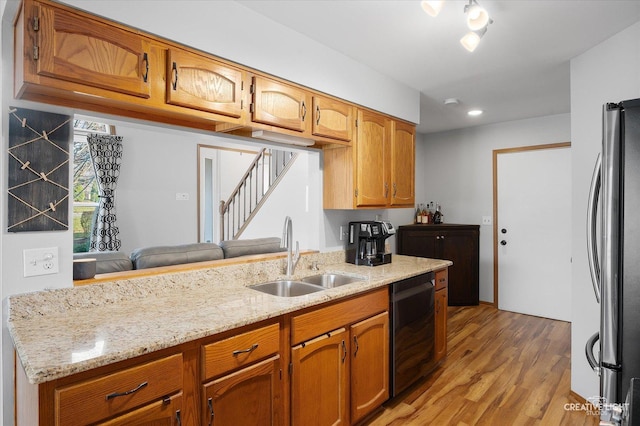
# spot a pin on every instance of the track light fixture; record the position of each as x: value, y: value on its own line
x: 478, y: 20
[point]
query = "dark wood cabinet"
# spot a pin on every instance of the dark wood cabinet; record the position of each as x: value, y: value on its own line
x: 458, y: 243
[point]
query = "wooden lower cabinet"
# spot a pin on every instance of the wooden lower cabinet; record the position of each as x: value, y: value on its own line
x: 319, y: 381
x: 342, y: 375
x: 441, y: 314
x: 338, y: 373
x: 250, y: 396
x: 369, y: 365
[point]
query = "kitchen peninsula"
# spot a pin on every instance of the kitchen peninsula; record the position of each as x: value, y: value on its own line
x: 162, y: 346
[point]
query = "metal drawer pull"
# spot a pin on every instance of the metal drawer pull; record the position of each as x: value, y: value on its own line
x: 244, y: 351
x: 129, y: 392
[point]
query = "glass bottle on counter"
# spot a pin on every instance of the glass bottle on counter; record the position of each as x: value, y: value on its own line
x: 437, y: 216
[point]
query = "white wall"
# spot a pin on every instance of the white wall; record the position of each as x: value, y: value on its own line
x: 455, y: 169
x: 608, y: 72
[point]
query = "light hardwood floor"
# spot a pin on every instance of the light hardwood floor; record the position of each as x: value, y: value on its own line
x: 502, y: 368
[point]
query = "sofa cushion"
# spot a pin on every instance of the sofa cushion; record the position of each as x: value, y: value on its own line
x: 235, y: 248
x: 150, y: 257
x: 107, y: 261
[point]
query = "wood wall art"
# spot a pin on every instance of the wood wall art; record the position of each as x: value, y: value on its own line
x: 38, y: 168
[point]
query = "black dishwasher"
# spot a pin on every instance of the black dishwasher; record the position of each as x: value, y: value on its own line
x: 412, y: 330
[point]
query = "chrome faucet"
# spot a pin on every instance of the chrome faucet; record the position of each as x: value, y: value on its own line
x: 287, y: 242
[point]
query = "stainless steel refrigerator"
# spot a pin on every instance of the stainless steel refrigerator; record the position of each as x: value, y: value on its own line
x: 614, y: 257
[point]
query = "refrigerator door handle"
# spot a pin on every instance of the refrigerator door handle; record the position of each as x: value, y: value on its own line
x: 592, y: 241
x: 588, y: 349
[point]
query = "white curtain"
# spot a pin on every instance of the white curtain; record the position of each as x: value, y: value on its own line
x: 106, y: 155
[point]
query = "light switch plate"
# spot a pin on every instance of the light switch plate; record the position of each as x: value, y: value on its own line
x: 486, y: 220
x: 41, y: 261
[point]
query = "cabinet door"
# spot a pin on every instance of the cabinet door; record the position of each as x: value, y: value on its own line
x: 332, y: 119
x: 418, y: 243
x: 166, y: 412
x: 247, y: 397
x: 319, y: 391
x: 205, y: 84
x: 280, y: 105
x: 461, y: 247
x: 369, y: 365
x: 441, y: 324
x: 73, y: 48
x: 403, y: 165
x: 372, y: 160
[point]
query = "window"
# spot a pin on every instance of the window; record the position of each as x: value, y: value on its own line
x: 85, y: 187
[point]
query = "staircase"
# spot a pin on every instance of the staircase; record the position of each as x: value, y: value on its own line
x: 260, y: 179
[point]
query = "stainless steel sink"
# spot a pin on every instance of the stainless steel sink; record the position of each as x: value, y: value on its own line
x: 287, y: 288
x: 330, y: 280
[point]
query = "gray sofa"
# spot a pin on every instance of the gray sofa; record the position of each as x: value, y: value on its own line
x: 154, y: 256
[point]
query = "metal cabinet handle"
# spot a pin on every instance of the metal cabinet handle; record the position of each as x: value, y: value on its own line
x: 386, y: 190
x: 178, y: 418
x: 395, y: 189
x: 344, y: 351
x: 145, y: 59
x: 129, y: 392
x: 210, y: 404
x: 317, y: 115
x: 304, y: 110
x: 244, y: 351
x: 355, y: 341
x: 174, y: 73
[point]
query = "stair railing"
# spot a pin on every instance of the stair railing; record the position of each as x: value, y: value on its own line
x: 253, y: 189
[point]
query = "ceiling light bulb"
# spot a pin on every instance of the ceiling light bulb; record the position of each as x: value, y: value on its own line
x: 470, y: 41
x: 474, y: 112
x: 432, y: 7
x: 477, y: 18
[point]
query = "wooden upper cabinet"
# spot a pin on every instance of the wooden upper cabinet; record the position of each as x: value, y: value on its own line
x: 281, y: 105
x: 403, y: 164
x: 72, y: 48
x: 332, y: 119
x: 205, y: 84
x: 372, y: 159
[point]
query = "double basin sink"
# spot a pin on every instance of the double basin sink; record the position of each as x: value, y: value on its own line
x: 307, y: 285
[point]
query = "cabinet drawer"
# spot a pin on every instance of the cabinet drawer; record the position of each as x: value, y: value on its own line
x: 312, y: 324
x: 96, y: 399
x: 243, y: 349
x: 442, y: 276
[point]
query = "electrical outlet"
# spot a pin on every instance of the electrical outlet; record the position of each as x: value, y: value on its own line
x: 342, y: 232
x: 42, y: 261
x: 182, y: 196
x: 486, y: 220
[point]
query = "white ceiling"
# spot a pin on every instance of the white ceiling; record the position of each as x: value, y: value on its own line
x: 519, y: 70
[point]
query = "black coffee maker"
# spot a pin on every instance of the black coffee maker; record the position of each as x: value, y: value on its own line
x: 366, y: 243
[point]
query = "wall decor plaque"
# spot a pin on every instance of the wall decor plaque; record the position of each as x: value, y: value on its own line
x: 38, y: 168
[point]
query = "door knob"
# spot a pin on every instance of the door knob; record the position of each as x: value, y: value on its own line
x: 503, y: 243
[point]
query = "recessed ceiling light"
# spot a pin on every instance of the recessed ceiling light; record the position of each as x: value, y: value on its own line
x: 451, y: 101
x: 474, y: 112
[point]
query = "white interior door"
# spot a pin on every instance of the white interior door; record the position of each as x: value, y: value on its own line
x: 534, y: 232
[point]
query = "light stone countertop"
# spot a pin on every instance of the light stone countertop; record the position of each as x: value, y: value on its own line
x: 60, y: 332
